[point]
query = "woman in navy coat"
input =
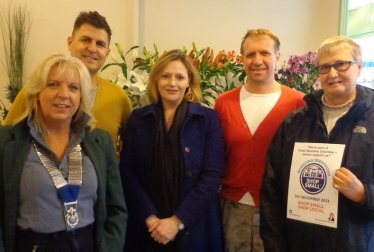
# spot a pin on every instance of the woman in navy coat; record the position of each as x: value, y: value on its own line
x: 172, y: 163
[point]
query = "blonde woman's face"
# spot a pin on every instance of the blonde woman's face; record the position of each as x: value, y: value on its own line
x: 173, y: 83
x: 60, y: 99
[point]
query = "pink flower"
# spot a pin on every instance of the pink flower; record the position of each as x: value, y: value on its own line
x: 304, y: 70
x: 303, y: 58
x: 300, y: 72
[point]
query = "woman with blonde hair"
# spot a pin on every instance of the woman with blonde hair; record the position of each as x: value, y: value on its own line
x: 172, y: 163
x: 59, y: 176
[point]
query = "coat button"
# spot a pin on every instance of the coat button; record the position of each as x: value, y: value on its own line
x: 189, y: 174
x: 187, y: 149
x: 245, y: 125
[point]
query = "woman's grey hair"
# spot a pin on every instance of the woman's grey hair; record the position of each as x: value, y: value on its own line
x: 337, y: 43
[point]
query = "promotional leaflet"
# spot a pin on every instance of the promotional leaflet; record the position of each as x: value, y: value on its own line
x: 311, y: 195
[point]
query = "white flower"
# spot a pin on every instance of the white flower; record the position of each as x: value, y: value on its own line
x: 139, y: 87
x: 317, y: 85
x: 122, y: 81
x: 135, y: 81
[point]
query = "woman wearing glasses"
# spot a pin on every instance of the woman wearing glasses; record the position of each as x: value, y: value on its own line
x: 341, y: 113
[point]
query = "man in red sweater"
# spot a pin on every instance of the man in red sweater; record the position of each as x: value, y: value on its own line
x: 250, y: 116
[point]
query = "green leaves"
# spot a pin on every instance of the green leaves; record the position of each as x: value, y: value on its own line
x: 4, y: 111
x: 132, y: 77
x: 15, y: 25
x: 217, y: 73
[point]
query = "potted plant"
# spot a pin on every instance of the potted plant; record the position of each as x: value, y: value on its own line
x: 15, y: 24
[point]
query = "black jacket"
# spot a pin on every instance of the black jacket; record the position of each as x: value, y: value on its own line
x: 355, y: 227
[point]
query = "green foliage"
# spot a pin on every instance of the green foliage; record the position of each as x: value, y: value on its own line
x: 215, y: 72
x: 4, y: 110
x: 15, y: 24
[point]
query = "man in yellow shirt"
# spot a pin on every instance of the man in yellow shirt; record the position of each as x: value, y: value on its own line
x: 109, y: 103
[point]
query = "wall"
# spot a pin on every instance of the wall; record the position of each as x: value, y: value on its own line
x: 300, y: 25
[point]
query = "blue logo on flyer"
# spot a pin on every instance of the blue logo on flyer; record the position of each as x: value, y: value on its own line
x: 313, y: 178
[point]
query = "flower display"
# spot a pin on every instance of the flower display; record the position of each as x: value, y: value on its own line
x: 134, y: 81
x: 218, y: 74
x: 300, y: 73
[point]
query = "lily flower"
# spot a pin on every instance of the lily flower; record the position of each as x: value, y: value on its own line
x: 114, y: 57
x: 122, y: 81
x: 134, y: 54
x: 119, y: 50
x: 141, y: 81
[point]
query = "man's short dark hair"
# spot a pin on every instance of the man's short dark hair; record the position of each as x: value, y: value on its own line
x: 92, y: 18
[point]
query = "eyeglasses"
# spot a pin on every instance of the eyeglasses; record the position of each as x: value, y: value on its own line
x: 340, y: 66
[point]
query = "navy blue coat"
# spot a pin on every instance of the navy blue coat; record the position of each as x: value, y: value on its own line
x: 203, y: 152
